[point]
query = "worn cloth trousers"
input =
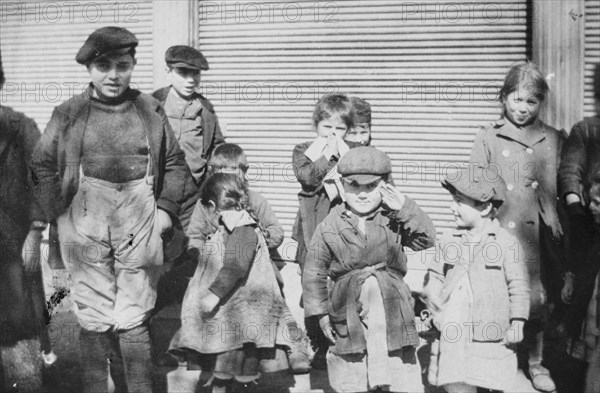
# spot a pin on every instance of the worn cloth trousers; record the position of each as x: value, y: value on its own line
x: 363, y: 372
x: 112, y: 248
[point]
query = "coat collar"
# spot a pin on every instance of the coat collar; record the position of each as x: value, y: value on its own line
x: 9, y: 126
x: 491, y: 229
x: 190, y: 108
x: 528, y: 136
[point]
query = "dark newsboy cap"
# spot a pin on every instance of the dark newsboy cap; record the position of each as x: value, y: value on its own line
x: 479, y: 183
x: 105, y: 40
x: 186, y: 57
x: 364, y: 165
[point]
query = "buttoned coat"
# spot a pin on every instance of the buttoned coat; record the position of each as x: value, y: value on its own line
x: 528, y: 161
x: 497, y: 274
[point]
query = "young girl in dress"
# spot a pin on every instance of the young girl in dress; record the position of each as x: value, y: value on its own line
x: 233, y: 304
x: 526, y: 154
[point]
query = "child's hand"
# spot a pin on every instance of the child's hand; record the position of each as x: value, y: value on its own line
x: 567, y: 290
x: 514, y: 334
x: 332, y: 145
x: 164, y: 221
x: 209, y: 302
x: 327, y: 328
x: 392, y: 197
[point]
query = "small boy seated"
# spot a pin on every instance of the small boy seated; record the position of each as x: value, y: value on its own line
x: 368, y: 313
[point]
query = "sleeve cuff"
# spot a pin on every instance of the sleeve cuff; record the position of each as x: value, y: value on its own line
x: 407, y: 211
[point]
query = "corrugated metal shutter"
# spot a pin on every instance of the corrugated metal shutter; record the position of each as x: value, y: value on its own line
x: 39, y: 41
x: 431, y: 71
x: 592, y: 53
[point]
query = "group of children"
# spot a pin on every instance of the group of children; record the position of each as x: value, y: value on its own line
x: 486, y: 289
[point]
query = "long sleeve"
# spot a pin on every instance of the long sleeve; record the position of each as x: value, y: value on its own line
x: 434, y: 277
x: 517, y: 279
x: 172, y: 192
x: 44, y: 163
x: 239, y: 251
x: 573, y: 162
x: 314, y: 275
x: 310, y: 174
x: 267, y: 219
x: 30, y: 136
x: 416, y: 228
x: 200, y: 227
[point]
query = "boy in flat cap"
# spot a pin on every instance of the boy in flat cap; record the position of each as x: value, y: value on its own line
x: 477, y: 289
x: 191, y: 116
x: 111, y: 174
x: 368, y: 314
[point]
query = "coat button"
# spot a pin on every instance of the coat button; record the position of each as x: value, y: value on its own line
x: 505, y: 153
x: 510, y: 187
x: 535, y: 184
x: 529, y: 150
x: 511, y: 224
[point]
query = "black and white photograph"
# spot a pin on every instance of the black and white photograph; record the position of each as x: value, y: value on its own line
x: 299, y: 196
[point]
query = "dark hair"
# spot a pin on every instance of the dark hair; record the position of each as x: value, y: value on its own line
x: 227, y: 191
x: 334, y: 104
x: 227, y: 155
x: 362, y: 110
x: 526, y: 75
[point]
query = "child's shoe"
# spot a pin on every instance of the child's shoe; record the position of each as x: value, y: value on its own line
x: 540, y: 379
x: 49, y: 358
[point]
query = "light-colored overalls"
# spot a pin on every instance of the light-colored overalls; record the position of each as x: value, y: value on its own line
x: 112, y: 249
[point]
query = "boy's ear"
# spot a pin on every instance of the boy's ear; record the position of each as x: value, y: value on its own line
x: 487, y: 209
x: 211, y: 205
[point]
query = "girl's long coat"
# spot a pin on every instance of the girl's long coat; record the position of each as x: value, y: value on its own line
x: 528, y: 161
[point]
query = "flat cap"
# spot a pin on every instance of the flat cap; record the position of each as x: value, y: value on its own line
x: 187, y: 57
x: 479, y: 183
x: 364, y: 164
x: 105, y: 40
x: 362, y: 110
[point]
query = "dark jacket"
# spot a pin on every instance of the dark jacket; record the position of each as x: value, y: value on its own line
x: 18, y: 208
x: 57, y: 157
x: 210, y: 132
x: 339, y: 250
x: 313, y: 200
x: 580, y: 158
x: 580, y: 163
